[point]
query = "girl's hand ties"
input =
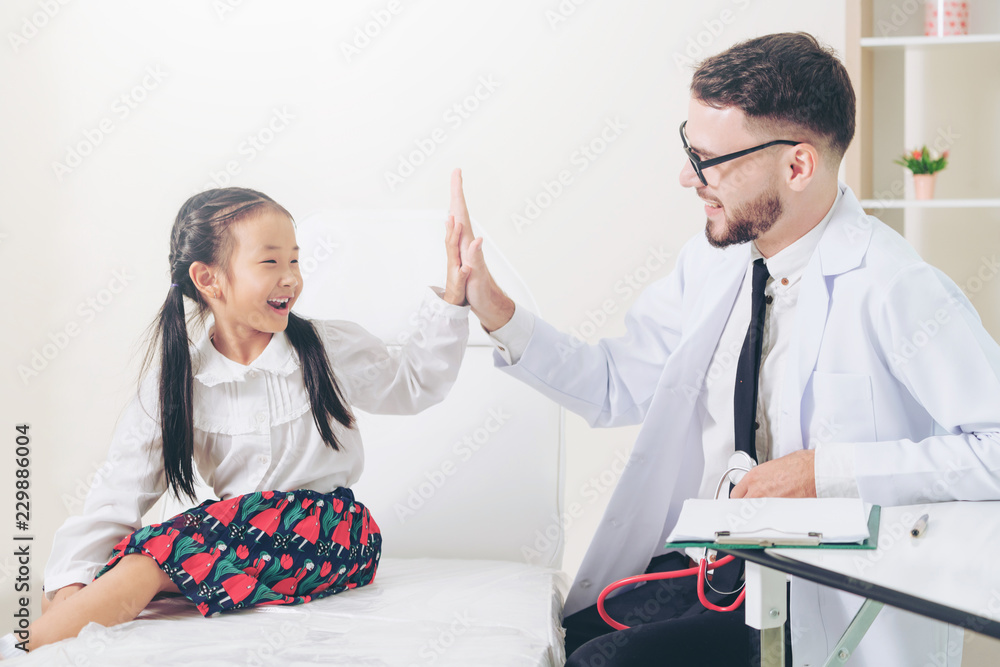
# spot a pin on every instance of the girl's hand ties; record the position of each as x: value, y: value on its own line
x: 454, y: 291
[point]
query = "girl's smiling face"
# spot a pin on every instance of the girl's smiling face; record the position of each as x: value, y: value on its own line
x: 263, y: 281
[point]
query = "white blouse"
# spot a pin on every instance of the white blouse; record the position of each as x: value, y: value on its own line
x: 254, y: 429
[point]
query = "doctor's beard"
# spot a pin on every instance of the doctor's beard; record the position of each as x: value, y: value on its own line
x: 747, y: 221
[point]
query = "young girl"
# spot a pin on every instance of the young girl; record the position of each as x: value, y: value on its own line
x: 262, y: 404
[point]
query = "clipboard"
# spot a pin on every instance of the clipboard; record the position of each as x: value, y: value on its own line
x: 728, y: 540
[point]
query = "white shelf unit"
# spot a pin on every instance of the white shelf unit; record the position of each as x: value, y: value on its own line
x: 942, y: 92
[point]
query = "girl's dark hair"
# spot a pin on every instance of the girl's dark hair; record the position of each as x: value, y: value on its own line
x: 202, y: 232
x: 781, y: 80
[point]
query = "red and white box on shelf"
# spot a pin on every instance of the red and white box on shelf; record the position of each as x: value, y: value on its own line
x: 946, y: 17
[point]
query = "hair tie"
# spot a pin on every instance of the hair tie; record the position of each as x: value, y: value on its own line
x: 173, y: 284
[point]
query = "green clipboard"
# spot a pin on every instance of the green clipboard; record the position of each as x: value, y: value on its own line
x: 795, y: 543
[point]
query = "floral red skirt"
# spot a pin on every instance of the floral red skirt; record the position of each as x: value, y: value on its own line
x: 268, y: 547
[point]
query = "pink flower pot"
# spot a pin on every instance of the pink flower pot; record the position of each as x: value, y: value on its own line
x: 923, y: 186
x: 946, y: 17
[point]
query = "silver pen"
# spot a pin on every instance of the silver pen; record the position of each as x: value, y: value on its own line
x: 920, y: 526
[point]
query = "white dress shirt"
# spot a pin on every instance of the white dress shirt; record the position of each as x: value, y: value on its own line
x: 254, y: 427
x: 782, y: 288
x: 718, y: 431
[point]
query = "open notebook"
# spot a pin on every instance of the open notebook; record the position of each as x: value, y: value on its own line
x: 765, y: 522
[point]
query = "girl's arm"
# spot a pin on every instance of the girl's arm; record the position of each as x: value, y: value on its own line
x: 123, y: 490
x: 419, y: 368
x: 410, y: 374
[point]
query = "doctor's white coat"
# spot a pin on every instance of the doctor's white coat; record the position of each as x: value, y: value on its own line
x: 890, y: 371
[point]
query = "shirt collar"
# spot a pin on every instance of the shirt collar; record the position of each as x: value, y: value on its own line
x: 791, y: 261
x: 212, y: 367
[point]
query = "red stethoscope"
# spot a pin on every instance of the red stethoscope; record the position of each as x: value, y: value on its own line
x: 740, y: 464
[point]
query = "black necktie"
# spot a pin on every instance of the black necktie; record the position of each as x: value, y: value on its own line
x: 727, y: 577
x: 748, y: 368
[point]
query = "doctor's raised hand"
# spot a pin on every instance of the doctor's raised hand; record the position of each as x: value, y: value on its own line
x: 489, y: 303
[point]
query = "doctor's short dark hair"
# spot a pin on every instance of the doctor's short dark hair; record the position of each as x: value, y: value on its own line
x: 787, y: 84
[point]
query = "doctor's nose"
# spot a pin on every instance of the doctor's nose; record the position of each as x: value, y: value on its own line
x: 687, y: 177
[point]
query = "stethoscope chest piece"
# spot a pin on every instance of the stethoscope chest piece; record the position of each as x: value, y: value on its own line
x: 740, y: 463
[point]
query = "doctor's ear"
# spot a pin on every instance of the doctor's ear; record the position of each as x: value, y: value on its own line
x: 803, y: 162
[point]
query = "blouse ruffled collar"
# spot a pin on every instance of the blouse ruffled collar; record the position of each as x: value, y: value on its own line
x: 212, y: 367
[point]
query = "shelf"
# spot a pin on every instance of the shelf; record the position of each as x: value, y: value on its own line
x: 930, y: 203
x: 921, y: 40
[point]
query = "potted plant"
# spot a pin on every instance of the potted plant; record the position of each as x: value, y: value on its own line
x: 924, y: 168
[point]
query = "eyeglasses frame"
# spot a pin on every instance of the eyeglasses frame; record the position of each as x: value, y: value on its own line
x: 700, y: 164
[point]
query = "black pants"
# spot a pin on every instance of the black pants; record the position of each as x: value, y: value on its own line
x: 669, y: 626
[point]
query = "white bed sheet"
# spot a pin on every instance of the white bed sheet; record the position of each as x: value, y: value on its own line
x: 417, y: 612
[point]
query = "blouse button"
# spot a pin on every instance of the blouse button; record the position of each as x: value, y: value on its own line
x: 252, y: 374
x: 261, y: 416
x: 262, y: 458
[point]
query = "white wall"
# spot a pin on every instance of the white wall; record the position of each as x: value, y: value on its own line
x: 64, y: 237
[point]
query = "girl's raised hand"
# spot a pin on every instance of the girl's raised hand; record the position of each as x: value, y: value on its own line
x: 454, y: 291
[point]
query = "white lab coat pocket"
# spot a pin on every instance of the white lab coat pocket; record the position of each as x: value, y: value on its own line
x: 842, y: 408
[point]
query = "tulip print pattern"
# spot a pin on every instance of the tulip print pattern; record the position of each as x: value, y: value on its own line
x: 269, y: 547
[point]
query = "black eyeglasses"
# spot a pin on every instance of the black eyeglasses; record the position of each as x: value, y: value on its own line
x: 700, y: 164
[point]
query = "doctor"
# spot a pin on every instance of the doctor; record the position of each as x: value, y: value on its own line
x: 877, y: 379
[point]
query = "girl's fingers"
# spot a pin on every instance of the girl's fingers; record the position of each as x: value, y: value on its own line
x: 458, y: 207
x: 451, y: 241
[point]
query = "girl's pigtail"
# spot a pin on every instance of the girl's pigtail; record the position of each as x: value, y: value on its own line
x: 175, y: 394
x: 324, y: 392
